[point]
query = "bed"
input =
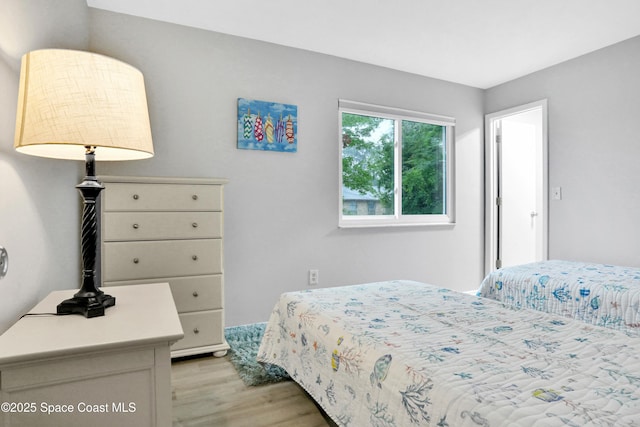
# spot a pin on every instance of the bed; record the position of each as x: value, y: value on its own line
x: 403, y: 353
x: 598, y: 294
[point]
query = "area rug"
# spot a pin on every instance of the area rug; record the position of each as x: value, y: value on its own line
x: 244, y: 342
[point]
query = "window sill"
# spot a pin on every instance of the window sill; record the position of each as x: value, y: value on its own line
x: 380, y: 224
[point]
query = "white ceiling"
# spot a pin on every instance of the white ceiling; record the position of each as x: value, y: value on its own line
x: 480, y: 43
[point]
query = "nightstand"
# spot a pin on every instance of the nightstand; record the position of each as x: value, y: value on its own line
x: 103, y: 371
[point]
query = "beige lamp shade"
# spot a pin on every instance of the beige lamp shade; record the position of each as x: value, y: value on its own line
x: 70, y: 100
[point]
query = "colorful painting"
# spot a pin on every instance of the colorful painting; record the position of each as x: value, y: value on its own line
x: 268, y: 126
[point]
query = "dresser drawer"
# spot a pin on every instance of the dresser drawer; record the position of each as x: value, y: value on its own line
x: 153, y: 259
x: 197, y: 293
x: 200, y: 329
x: 161, y: 197
x: 161, y: 225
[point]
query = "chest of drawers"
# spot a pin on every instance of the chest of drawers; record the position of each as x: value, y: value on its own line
x: 170, y: 230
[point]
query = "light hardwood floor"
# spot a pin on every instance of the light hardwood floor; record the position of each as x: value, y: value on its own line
x: 207, y: 391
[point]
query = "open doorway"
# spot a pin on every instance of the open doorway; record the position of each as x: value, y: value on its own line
x: 516, y: 186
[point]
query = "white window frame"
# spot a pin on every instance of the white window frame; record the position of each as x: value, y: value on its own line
x: 397, y: 219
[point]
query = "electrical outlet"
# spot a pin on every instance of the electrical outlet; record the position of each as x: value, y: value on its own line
x: 313, y: 277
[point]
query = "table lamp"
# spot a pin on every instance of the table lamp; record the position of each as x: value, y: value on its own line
x: 82, y: 106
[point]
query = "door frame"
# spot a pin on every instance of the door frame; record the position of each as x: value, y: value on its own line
x: 492, y: 181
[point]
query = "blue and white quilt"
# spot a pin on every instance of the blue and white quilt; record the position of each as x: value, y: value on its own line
x: 402, y: 353
x: 599, y: 294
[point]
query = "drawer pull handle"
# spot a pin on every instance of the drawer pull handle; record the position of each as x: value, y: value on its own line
x: 136, y: 226
x: 194, y: 257
x: 194, y: 197
x: 195, y: 294
x: 136, y: 197
x: 136, y: 260
x: 194, y: 225
x: 196, y: 330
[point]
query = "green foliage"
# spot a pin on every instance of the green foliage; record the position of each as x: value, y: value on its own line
x: 368, y: 162
x: 423, y: 168
x: 367, y: 159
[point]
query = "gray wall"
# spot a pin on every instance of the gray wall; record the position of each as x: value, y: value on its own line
x: 594, y: 149
x: 281, y: 208
x: 39, y: 206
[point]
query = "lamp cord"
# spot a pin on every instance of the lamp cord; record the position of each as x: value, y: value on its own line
x: 44, y: 314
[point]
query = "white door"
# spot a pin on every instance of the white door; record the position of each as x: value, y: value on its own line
x: 516, y: 186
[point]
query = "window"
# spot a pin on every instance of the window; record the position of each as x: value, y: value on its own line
x: 396, y: 166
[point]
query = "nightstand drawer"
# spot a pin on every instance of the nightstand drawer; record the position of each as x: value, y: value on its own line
x: 153, y: 259
x: 161, y: 197
x: 161, y: 225
x: 200, y: 329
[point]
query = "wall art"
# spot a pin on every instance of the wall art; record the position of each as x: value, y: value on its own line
x: 268, y: 126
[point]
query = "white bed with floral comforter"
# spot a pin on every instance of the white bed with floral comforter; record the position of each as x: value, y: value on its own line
x: 599, y: 294
x: 403, y: 353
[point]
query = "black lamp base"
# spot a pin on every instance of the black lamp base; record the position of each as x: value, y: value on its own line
x: 87, y: 306
x: 89, y: 301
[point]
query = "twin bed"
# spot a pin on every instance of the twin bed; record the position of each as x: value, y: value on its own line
x: 404, y: 353
x: 598, y: 294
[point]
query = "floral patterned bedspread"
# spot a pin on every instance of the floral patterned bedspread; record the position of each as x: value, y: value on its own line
x: 403, y: 353
x: 599, y: 294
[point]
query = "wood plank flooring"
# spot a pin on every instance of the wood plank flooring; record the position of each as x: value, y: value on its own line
x: 207, y: 391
